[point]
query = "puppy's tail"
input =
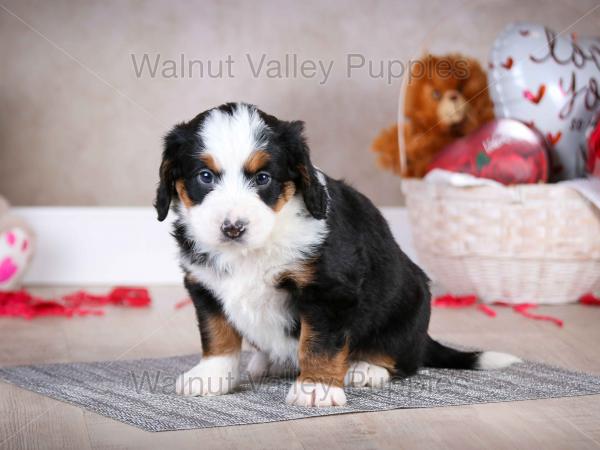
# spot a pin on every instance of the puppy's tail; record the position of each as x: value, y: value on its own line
x: 438, y: 355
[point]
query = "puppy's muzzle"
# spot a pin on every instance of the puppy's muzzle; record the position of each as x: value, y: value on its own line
x: 234, y: 230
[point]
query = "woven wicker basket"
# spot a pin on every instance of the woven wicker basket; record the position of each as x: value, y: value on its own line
x: 527, y: 243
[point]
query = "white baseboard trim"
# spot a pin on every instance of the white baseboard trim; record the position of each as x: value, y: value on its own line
x: 116, y: 246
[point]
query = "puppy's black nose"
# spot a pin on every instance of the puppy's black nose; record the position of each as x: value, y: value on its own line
x: 234, y: 230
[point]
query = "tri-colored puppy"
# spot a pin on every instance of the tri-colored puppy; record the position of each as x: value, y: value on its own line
x: 302, y: 266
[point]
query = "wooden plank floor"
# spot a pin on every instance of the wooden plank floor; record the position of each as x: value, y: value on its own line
x: 28, y: 420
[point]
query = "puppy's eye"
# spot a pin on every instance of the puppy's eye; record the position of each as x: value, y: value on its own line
x: 206, y: 177
x: 262, y: 178
x: 436, y: 94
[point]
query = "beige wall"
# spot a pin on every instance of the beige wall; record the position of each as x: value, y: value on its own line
x: 77, y: 127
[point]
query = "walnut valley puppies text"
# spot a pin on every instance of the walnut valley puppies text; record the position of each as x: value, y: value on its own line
x: 282, y: 67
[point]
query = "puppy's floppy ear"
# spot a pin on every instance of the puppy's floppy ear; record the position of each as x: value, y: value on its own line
x: 165, y: 190
x: 169, y: 170
x: 314, y: 193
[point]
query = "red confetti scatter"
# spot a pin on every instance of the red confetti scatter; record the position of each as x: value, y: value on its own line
x: 523, y: 309
x: 486, y: 310
x: 468, y: 301
x: 590, y: 300
x: 450, y: 301
x: 131, y: 297
x: 81, y: 303
x: 183, y: 303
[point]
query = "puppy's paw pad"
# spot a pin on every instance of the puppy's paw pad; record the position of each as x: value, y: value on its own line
x: 315, y: 394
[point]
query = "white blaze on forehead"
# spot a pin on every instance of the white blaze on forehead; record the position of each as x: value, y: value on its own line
x: 231, y: 138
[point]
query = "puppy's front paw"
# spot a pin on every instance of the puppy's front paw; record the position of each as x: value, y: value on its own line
x: 213, y: 375
x: 304, y: 393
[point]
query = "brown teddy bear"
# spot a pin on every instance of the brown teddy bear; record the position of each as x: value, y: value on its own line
x: 446, y: 98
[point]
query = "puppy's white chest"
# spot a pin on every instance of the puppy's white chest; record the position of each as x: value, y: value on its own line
x: 253, y: 304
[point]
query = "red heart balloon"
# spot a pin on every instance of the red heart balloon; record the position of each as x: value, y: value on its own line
x: 593, y: 165
x: 504, y: 150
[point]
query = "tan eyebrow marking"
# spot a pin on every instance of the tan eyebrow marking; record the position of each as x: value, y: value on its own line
x: 210, y: 162
x: 256, y: 161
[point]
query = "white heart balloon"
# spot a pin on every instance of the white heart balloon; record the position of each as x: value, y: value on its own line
x: 549, y: 81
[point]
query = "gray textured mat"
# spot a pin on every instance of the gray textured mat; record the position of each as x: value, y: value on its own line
x: 140, y: 392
